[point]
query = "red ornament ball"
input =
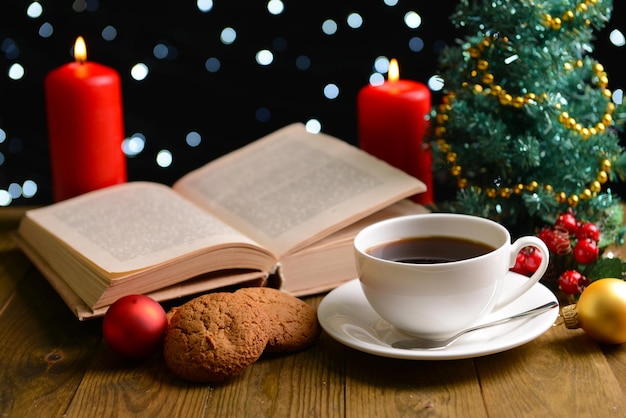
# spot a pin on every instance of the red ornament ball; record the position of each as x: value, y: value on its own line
x: 134, y: 326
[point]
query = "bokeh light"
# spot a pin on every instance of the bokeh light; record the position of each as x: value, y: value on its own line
x: 202, y: 79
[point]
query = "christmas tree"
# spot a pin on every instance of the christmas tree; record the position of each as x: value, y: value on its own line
x: 527, y: 128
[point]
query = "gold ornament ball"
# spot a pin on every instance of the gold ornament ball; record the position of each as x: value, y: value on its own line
x: 600, y: 311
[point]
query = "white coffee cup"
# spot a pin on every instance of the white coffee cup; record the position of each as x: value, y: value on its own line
x: 438, y: 299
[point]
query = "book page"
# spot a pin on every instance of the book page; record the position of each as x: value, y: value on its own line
x: 292, y: 187
x: 131, y: 226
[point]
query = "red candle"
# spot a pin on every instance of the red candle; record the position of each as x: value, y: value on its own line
x: 85, y: 126
x: 392, y: 122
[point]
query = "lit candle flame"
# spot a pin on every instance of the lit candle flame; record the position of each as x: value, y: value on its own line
x: 80, y: 50
x: 393, y: 74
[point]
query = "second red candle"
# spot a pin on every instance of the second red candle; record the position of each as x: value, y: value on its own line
x: 392, y: 124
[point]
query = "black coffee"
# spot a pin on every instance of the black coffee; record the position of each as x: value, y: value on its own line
x: 430, y: 250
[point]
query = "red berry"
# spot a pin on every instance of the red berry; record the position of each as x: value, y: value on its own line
x: 586, y: 251
x: 532, y: 260
x: 583, y: 282
x: 557, y: 240
x: 527, y: 261
x: 588, y: 230
x: 567, y: 221
x: 519, y: 266
x: 547, y: 236
x: 569, y: 282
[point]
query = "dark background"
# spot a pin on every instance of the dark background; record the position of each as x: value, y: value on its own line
x: 179, y: 95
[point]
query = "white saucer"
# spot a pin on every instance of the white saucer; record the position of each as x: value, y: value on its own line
x: 347, y: 317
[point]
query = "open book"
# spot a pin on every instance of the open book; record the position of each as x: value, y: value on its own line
x: 281, y: 211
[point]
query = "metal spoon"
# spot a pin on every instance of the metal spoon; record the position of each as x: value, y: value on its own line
x: 417, y: 343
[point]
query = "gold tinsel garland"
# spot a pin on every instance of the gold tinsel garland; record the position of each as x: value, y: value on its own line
x: 483, y: 83
x: 567, y: 16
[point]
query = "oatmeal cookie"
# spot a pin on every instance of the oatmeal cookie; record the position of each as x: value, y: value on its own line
x: 293, y: 322
x: 215, y: 336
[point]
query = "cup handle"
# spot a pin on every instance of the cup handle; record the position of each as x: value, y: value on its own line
x: 537, y: 275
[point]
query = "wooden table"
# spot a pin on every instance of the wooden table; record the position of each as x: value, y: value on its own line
x: 53, y: 365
